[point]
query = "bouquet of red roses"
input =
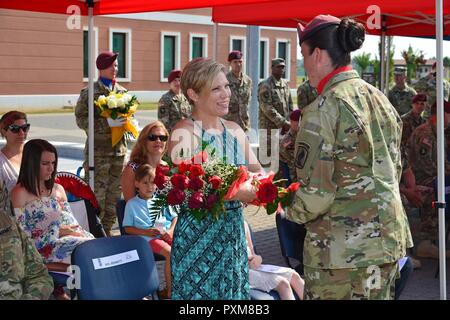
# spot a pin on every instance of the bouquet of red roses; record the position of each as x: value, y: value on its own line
x: 202, y: 184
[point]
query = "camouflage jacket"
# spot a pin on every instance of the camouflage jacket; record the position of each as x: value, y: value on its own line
x: 102, y: 131
x: 275, y: 103
x: 173, y: 108
x: 422, y: 154
x: 305, y: 94
x: 241, y: 94
x: 410, y: 122
x: 287, y: 146
x: 427, y: 86
x: 347, y: 155
x: 23, y: 274
x: 401, y: 99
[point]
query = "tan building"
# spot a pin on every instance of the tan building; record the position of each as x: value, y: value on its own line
x: 43, y: 62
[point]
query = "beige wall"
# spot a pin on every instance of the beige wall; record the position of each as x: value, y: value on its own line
x: 40, y: 55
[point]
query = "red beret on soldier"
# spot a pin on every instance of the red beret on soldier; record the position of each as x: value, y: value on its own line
x: 318, y: 23
x: 419, y: 97
x: 233, y: 55
x: 176, y: 73
x: 105, y: 59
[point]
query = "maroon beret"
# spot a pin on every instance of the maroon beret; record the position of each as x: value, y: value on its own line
x: 318, y: 23
x: 105, y: 59
x: 233, y: 55
x: 446, y: 107
x: 173, y: 75
x: 434, y: 65
x: 419, y: 97
x: 295, y: 115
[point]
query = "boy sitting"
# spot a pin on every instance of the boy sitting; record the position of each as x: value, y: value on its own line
x: 139, y: 221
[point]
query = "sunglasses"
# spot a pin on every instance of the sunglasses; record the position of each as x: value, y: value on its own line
x: 154, y: 137
x: 14, y: 128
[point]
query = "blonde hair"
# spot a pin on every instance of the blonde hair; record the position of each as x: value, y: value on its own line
x: 139, y: 151
x: 199, y: 74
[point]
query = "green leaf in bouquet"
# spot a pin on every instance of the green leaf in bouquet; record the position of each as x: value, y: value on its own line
x: 272, y: 207
x: 114, y: 114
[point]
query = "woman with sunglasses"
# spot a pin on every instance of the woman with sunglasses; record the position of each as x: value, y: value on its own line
x: 14, y: 128
x: 213, y: 250
x: 149, y: 148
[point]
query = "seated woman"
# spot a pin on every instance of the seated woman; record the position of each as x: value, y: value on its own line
x: 41, y: 206
x: 285, y: 281
x: 150, y: 147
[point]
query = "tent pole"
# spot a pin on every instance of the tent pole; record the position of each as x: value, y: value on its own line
x: 253, y: 72
x: 388, y: 60
x: 90, y: 4
x: 215, y: 38
x: 382, y: 60
x: 440, y: 148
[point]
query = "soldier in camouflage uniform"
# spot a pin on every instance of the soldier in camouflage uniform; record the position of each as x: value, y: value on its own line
x: 173, y: 105
x: 427, y: 85
x: 305, y: 94
x: 401, y: 94
x: 413, y: 118
x: 349, y: 165
x: 287, y: 146
x: 23, y: 274
x: 275, y: 105
x: 241, y: 92
x: 108, y: 160
x: 422, y: 157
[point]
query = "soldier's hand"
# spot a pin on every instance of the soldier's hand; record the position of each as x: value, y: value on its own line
x: 118, y: 122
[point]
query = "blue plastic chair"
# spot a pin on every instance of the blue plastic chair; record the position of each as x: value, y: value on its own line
x: 115, y: 268
x: 120, y: 213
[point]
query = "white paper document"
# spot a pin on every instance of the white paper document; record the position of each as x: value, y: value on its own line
x: 115, y: 260
x: 272, y: 269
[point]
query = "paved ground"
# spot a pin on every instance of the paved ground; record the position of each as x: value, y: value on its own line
x: 61, y: 127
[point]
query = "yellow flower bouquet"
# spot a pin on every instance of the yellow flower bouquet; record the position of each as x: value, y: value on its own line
x: 117, y: 105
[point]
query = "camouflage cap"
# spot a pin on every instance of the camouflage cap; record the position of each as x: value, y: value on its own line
x: 278, y: 62
x: 318, y: 23
x: 105, y: 59
x: 399, y: 70
x: 446, y: 108
x: 233, y: 55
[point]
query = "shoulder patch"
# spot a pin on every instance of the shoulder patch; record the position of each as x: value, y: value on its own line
x: 302, y: 154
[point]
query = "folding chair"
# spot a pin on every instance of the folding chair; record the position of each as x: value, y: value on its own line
x: 115, y: 268
x: 292, y: 237
x: 120, y: 213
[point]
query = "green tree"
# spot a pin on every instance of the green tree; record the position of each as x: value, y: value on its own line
x: 362, y: 61
x: 413, y: 59
x: 447, y: 62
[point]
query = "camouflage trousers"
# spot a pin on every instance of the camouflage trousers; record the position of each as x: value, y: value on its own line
x: 108, y: 170
x: 428, y: 229
x: 369, y: 283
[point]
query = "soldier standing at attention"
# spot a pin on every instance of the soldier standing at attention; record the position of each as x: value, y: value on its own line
x: 401, y: 94
x: 275, y: 104
x: 108, y: 160
x: 413, y: 118
x: 427, y: 85
x: 241, y: 92
x: 422, y: 157
x: 305, y: 94
x: 347, y: 155
x: 23, y: 275
x: 173, y: 105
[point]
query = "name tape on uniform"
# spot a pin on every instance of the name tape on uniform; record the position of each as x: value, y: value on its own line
x: 115, y: 260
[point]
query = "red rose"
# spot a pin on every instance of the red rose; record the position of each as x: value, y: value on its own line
x: 200, y: 158
x: 293, y: 187
x: 46, y: 251
x: 183, y: 167
x: 216, y: 182
x: 179, y: 180
x: 164, y: 170
x: 195, y: 183
x: 211, y: 201
x: 160, y: 181
x: 196, y: 171
x: 196, y: 200
x: 175, y: 196
x: 267, y: 192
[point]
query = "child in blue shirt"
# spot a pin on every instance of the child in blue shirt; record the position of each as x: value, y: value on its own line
x: 138, y: 221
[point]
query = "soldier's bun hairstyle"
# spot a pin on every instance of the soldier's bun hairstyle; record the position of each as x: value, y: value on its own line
x: 339, y: 40
x: 351, y: 35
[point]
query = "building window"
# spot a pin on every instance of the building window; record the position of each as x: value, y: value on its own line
x: 120, y: 42
x: 263, y: 58
x: 283, y: 50
x: 86, y: 53
x: 198, y: 46
x: 170, y: 53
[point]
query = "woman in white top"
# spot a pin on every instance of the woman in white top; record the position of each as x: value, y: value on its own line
x: 14, y: 128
